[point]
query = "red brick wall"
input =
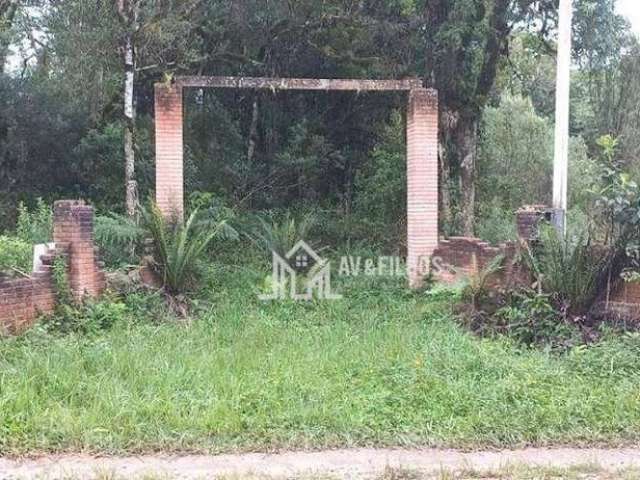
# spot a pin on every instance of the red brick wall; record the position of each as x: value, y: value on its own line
x: 23, y: 299
x: 458, y: 258
x: 422, y: 182
x: 169, y: 150
x: 621, y: 303
x: 73, y: 228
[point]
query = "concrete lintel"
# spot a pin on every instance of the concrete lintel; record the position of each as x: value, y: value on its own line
x: 299, y: 83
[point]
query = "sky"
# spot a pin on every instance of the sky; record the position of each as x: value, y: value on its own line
x: 631, y: 10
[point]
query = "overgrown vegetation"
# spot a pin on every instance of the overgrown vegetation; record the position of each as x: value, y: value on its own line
x: 264, y: 170
x: 382, y: 366
x: 568, y: 269
x: 33, y: 227
x: 279, y: 235
x: 177, y: 247
x: 15, y: 256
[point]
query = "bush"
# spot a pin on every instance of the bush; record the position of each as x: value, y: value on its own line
x: 526, y: 316
x: 531, y: 318
x: 15, y: 255
x: 496, y: 224
x: 279, y: 235
x: 515, y: 158
x: 89, y: 318
x: 568, y: 269
x: 120, y: 239
x: 35, y: 226
x: 177, y: 247
x: 381, y: 187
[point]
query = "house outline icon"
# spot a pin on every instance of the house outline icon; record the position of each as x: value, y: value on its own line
x: 284, y: 275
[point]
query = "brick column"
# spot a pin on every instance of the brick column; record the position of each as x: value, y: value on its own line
x: 422, y: 182
x: 73, y: 232
x: 169, y: 150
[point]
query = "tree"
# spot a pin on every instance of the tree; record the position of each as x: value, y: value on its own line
x: 8, y: 10
x: 129, y: 12
x: 516, y: 155
x: 465, y: 40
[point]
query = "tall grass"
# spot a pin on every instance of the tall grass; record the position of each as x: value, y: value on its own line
x: 376, y: 368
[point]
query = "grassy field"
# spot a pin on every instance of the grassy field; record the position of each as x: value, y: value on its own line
x: 380, y: 367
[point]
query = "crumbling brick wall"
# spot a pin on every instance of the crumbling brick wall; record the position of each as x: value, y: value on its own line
x: 620, y: 302
x: 458, y: 258
x: 23, y: 299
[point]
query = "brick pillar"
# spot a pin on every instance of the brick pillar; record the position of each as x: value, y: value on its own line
x: 73, y: 232
x: 169, y: 150
x: 422, y: 182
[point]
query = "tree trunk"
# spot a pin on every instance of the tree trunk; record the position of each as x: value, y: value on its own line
x: 251, y: 148
x: 467, y: 135
x: 444, y: 190
x: 131, y: 185
x: 458, y: 147
x: 3, y: 57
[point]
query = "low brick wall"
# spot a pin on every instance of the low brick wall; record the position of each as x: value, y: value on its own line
x: 22, y: 300
x: 458, y: 258
x: 623, y: 302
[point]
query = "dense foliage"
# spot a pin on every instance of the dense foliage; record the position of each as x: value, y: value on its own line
x: 65, y: 130
x: 326, y: 167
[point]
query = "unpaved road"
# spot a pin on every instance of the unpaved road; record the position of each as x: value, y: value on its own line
x: 350, y: 464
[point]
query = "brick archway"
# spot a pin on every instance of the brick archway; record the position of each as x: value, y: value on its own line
x: 422, y: 149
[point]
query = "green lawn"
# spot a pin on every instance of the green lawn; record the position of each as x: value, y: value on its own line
x: 382, y: 367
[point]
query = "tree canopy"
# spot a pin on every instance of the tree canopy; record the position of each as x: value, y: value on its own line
x: 87, y: 68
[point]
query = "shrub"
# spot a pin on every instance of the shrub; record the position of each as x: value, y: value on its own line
x: 177, y: 247
x: 526, y: 316
x: 89, y: 318
x: 15, y: 255
x: 381, y: 186
x: 35, y: 226
x: 495, y: 224
x: 515, y: 157
x: 476, y: 288
x: 567, y: 268
x: 280, y: 235
x: 213, y: 211
x: 119, y: 237
x: 531, y: 318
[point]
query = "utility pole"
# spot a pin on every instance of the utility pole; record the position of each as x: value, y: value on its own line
x: 561, y: 151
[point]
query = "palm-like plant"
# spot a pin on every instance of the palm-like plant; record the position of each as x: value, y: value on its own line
x: 567, y: 268
x: 178, y: 247
x: 280, y: 236
x: 477, y: 285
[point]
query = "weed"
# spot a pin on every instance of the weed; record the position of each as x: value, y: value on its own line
x: 375, y: 368
x: 280, y: 235
x: 35, y: 226
x: 15, y: 256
